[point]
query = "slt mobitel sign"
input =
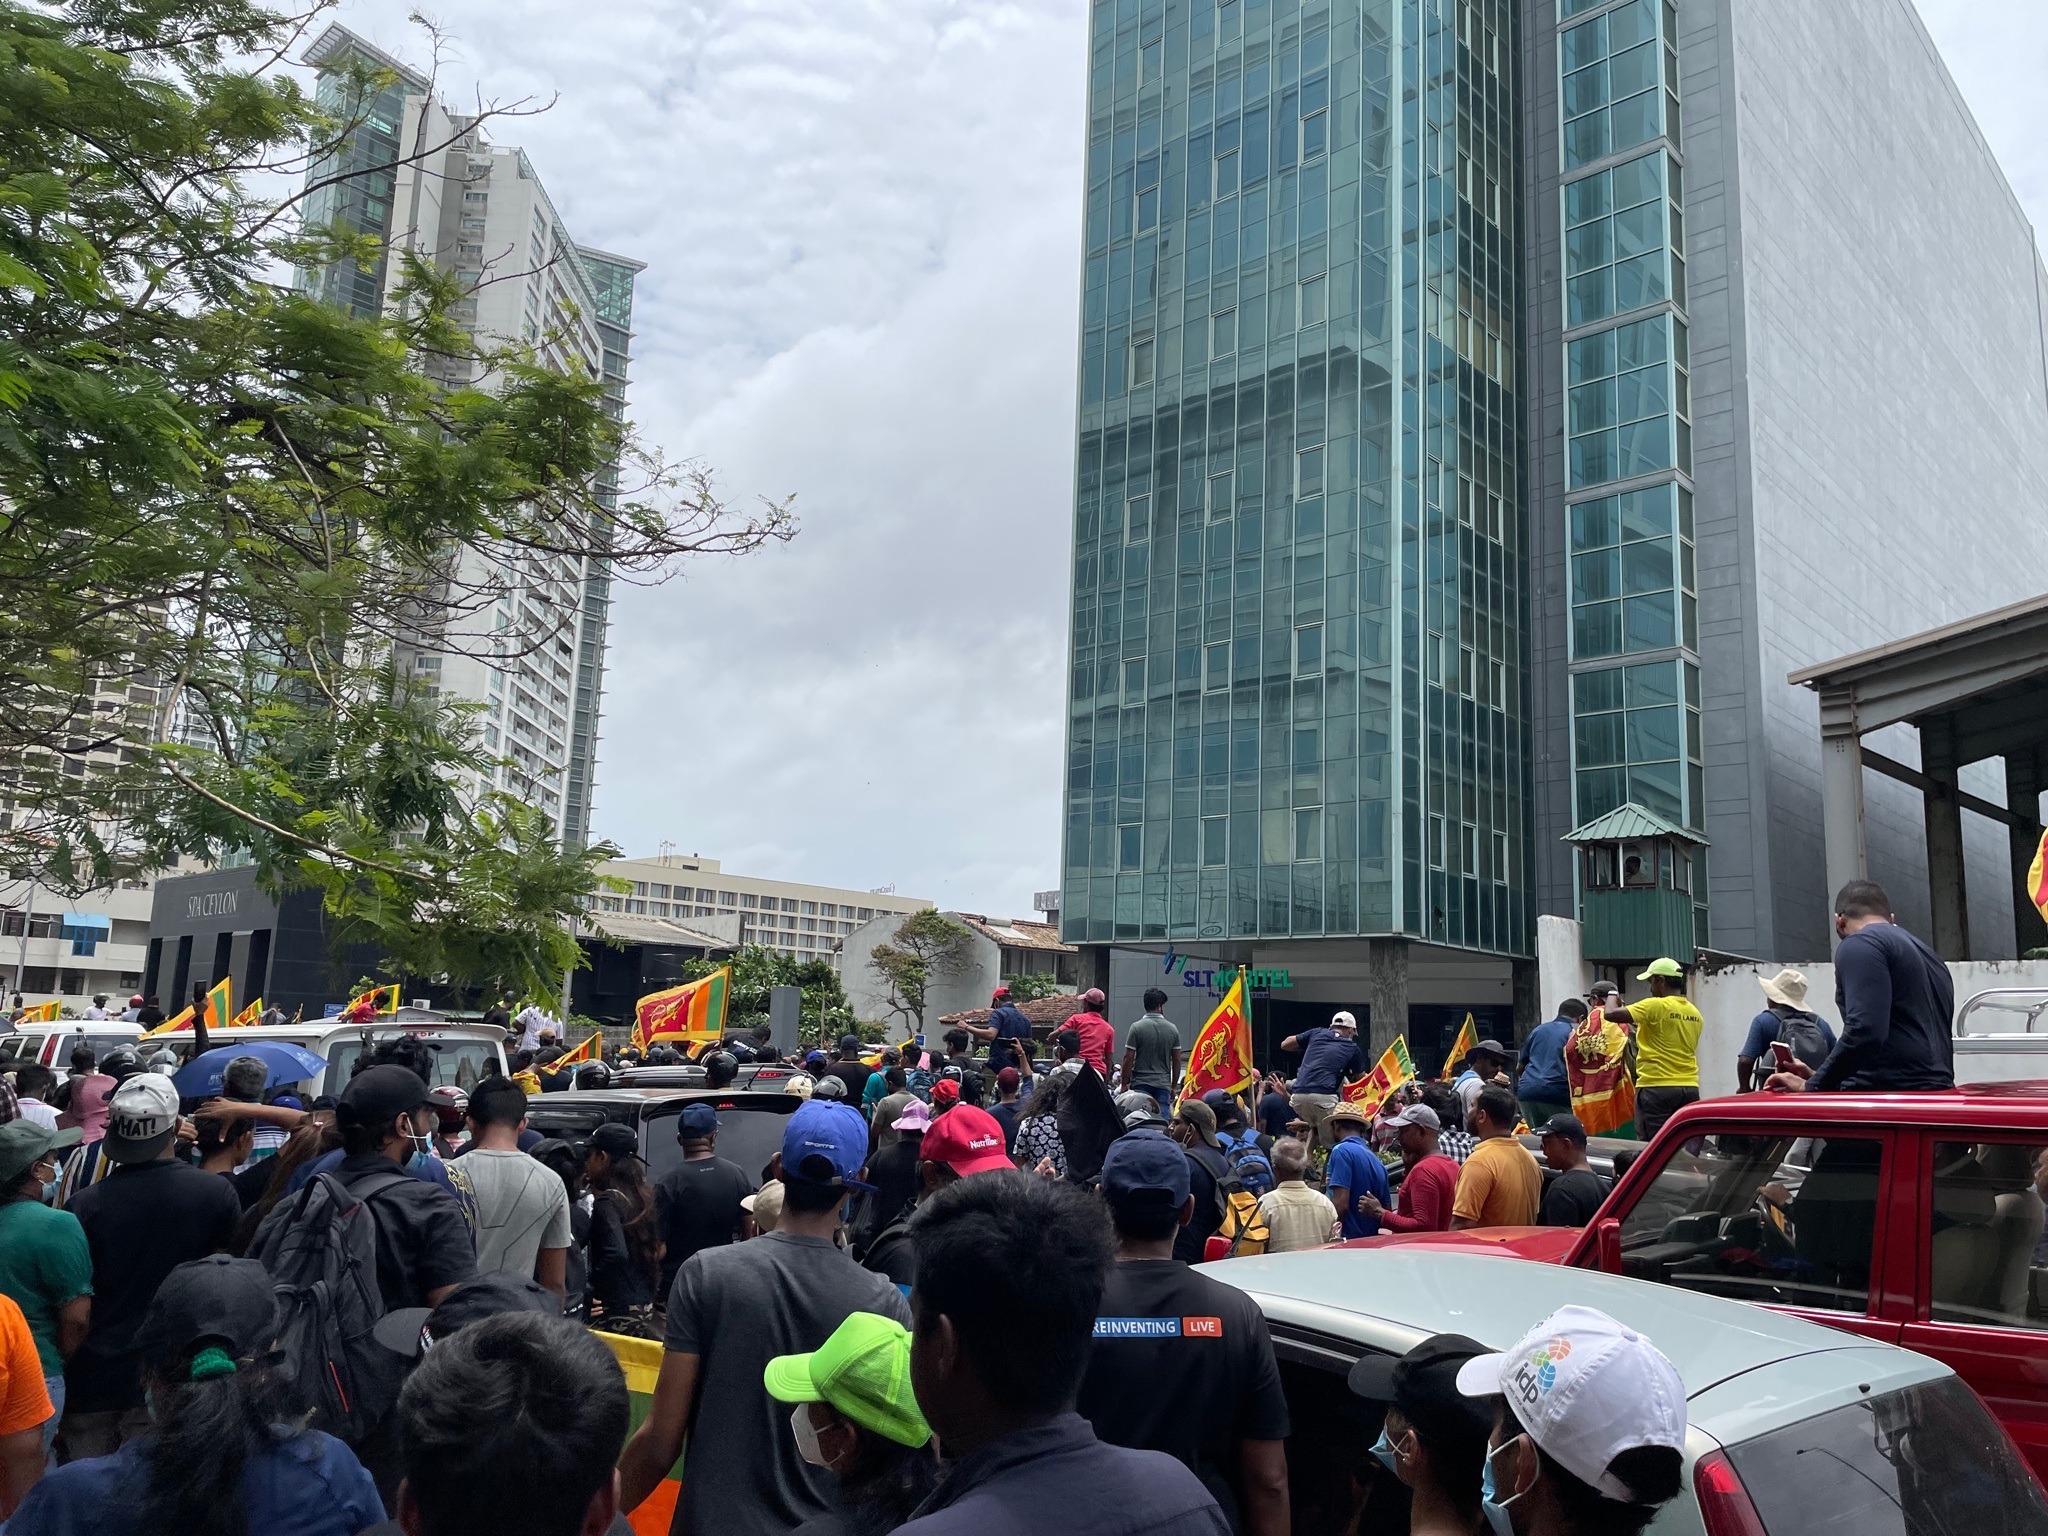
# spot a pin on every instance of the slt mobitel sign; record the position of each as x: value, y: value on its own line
x: 1259, y: 982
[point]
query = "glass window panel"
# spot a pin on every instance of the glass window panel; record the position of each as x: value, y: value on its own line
x: 1593, y: 523
x: 1686, y: 578
x: 1596, y: 691
x: 1692, y: 684
x: 1595, y: 458
x: 1643, y: 448
x: 1645, y: 567
x: 1633, y: 70
x: 1308, y: 834
x: 1597, y: 576
x: 1646, y: 514
x: 1215, y: 840
x: 1600, y: 791
x: 1638, y: 283
x: 1590, y: 245
x: 1592, y: 357
x: 1651, y: 684
x: 1591, y: 297
x: 1585, y: 139
x: 1638, y: 181
x: 1223, y: 333
x: 1648, y: 623
x: 1593, y: 406
x: 1586, y: 200
x: 1599, y: 740
x: 1596, y: 631
x: 1695, y: 747
x: 1635, y: 395
x: 1637, y: 230
x: 1635, y: 120
x: 1655, y: 788
x: 1585, y: 90
x: 1638, y: 345
x: 1583, y: 45
x: 1631, y: 24
x: 1652, y: 734
x: 1130, y: 846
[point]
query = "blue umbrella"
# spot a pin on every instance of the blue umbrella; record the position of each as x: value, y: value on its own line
x: 200, y: 1077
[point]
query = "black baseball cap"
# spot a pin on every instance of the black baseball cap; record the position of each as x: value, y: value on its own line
x: 1570, y: 1127
x: 1423, y: 1384
x: 379, y: 1095
x: 216, y: 1300
x: 615, y: 1140
x: 410, y: 1331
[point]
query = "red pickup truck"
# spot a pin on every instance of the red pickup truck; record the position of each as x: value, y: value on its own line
x: 1914, y: 1218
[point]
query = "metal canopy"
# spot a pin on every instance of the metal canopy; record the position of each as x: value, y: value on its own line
x: 1975, y: 690
x: 1628, y: 822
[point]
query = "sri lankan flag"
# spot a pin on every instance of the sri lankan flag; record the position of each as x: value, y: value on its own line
x: 42, y: 1013
x: 2037, y: 877
x: 249, y: 1015
x: 690, y: 1014
x: 1394, y: 1068
x: 220, y: 1004
x: 1468, y: 1036
x: 587, y: 1051
x: 381, y: 1000
x: 640, y: 1361
x: 177, y: 1023
x: 1221, y: 1056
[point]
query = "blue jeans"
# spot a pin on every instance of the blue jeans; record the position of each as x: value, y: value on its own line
x: 56, y: 1385
x: 1162, y: 1096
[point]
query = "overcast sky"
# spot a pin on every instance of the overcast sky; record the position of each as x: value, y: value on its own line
x: 861, y: 224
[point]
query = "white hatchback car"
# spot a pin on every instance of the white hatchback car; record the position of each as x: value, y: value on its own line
x: 1796, y: 1429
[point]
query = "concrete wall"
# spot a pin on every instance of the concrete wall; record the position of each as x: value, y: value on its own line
x: 1871, y: 411
x: 965, y: 984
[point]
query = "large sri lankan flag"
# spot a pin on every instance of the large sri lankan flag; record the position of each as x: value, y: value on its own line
x: 1394, y: 1068
x: 693, y: 1012
x: 1221, y: 1056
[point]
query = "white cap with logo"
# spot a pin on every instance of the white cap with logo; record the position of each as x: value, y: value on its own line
x: 1585, y: 1388
x: 141, y: 1116
x: 1342, y: 1019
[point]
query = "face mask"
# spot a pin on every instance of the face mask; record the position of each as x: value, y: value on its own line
x: 1498, y: 1520
x: 1384, y: 1449
x: 807, y: 1436
x: 50, y: 1191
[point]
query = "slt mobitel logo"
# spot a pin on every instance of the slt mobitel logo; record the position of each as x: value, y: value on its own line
x: 1258, y: 981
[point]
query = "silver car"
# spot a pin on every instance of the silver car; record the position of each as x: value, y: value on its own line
x: 1796, y: 1429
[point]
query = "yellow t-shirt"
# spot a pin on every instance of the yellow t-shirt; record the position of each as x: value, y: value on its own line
x: 1500, y: 1185
x: 1667, y: 1042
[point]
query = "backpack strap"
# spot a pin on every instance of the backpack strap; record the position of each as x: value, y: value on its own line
x: 364, y: 1189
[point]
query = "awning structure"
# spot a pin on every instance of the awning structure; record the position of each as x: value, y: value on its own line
x: 1976, y: 689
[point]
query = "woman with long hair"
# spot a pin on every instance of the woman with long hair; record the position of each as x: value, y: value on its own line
x: 625, y: 1234
x: 218, y: 1459
x: 1038, y: 1128
x: 566, y: 1159
x: 313, y: 1140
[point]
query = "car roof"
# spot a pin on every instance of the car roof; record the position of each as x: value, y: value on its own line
x: 600, y: 1098
x: 2015, y: 1103
x: 1392, y: 1298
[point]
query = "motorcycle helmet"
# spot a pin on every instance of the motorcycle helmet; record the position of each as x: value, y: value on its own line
x: 829, y: 1088
x: 450, y: 1105
x: 593, y: 1074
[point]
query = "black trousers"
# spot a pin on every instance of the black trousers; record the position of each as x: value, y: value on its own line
x: 1656, y: 1105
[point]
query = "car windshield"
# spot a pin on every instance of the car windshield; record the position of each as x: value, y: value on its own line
x: 1925, y: 1461
x: 460, y: 1063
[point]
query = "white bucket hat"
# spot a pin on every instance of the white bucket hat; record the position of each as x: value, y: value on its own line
x: 1787, y: 987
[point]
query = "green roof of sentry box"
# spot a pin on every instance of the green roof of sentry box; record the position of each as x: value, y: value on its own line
x: 1630, y: 821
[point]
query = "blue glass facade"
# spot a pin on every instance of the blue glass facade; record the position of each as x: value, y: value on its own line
x: 1296, y: 692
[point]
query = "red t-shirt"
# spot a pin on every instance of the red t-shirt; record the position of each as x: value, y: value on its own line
x: 1427, y: 1194
x: 1098, y: 1038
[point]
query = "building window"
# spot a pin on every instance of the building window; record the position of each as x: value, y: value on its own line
x: 1315, y: 135
x: 788, y: 905
x: 867, y: 914
x: 1225, y: 176
x: 1216, y: 666
x: 1635, y: 734
x: 1223, y: 333
x: 1630, y: 401
x: 1436, y: 842
x: 726, y: 898
x: 1315, y: 300
x: 1308, y: 650
x: 1308, y: 835
x: 1137, y: 519
x: 1623, y: 241
x: 1215, y: 841
x: 1500, y: 858
x: 1308, y: 473
x: 1220, y: 488
x: 1143, y: 363
x: 1620, y: 89
x: 1633, y: 573
x: 1134, y: 681
x: 749, y: 899
x: 1151, y: 62
x: 1130, y: 848
x: 1468, y: 849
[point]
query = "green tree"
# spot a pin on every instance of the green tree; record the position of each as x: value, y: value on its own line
x: 230, y: 509
x: 1028, y: 989
x: 927, y: 947
x: 757, y: 970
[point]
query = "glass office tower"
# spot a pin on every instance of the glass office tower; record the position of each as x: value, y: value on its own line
x: 1297, y: 683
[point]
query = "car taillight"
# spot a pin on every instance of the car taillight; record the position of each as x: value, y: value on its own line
x: 1724, y: 1503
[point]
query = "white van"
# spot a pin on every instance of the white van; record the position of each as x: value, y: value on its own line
x: 51, y: 1044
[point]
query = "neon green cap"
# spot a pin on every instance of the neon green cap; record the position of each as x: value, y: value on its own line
x: 1664, y: 967
x: 863, y: 1370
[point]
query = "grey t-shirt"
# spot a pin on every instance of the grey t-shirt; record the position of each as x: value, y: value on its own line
x: 736, y: 1308
x: 1155, y: 1040
x: 521, y: 1208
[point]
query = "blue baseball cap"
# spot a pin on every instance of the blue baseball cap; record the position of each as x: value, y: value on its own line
x: 822, y: 1129
x: 1144, y: 1167
x: 696, y: 1122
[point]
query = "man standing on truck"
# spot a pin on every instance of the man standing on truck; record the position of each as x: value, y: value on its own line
x: 1897, y: 1003
x: 1667, y: 1046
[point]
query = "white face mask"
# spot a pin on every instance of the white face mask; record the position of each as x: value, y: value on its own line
x: 807, y: 1436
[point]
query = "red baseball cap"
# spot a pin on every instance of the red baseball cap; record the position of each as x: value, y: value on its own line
x: 945, y: 1091
x: 967, y: 1140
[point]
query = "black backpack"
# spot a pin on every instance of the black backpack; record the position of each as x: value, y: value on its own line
x: 321, y: 1251
x: 1802, y: 1032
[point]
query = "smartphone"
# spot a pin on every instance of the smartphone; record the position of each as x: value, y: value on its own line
x: 1782, y: 1053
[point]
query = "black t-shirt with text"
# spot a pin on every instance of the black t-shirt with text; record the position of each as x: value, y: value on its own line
x: 1570, y: 1199
x: 1183, y: 1364
x: 698, y: 1206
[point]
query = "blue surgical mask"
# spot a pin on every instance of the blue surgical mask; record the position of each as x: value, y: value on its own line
x: 50, y: 1190
x: 418, y: 1162
x: 1498, y: 1521
x: 1384, y: 1449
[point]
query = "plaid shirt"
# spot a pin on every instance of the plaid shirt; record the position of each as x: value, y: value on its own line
x: 1456, y: 1145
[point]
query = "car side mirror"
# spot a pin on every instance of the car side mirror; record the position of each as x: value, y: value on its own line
x: 1607, y: 1244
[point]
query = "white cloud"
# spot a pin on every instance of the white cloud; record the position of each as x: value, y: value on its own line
x: 1997, y: 51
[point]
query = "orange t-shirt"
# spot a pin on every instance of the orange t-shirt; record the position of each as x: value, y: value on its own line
x: 24, y: 1400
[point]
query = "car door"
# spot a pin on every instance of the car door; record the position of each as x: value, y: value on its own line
x: 1981, y: 1271
x: 1784, y: 1216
